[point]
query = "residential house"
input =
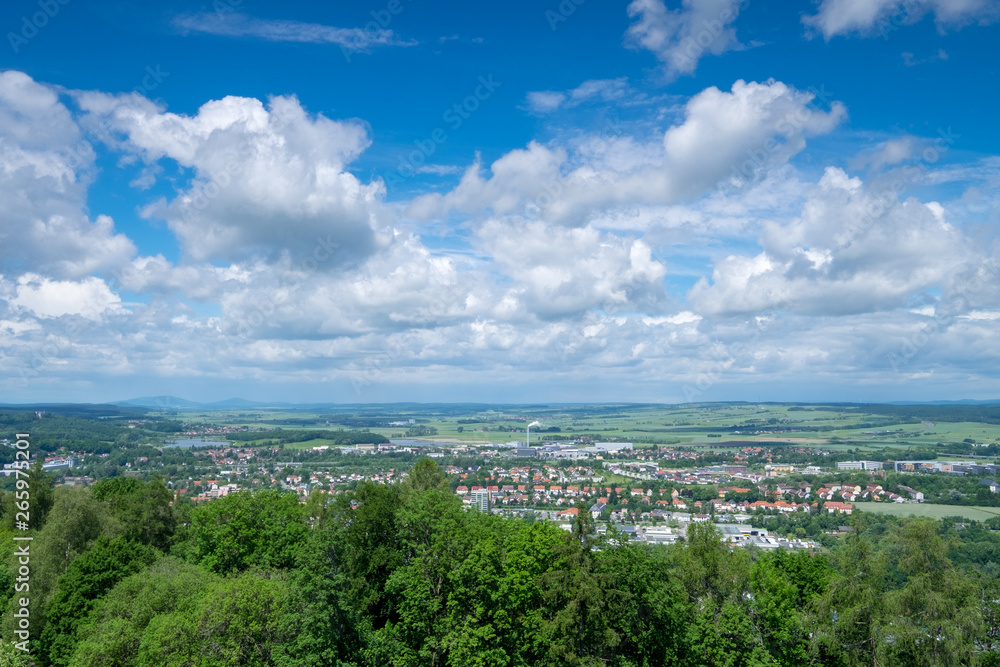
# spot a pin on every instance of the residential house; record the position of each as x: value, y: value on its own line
x: 834, y: 507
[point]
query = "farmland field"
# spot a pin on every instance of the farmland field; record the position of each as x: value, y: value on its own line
x: 931, y: 510
x: 835, y: 427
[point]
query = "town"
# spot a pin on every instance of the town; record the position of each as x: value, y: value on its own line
x: 758, y: 472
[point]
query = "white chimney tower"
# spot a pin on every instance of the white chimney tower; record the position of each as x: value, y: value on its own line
x: 527, y: 441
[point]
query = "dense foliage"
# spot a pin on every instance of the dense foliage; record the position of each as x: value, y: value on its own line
x: 73, y: 433
x: 402, y: 575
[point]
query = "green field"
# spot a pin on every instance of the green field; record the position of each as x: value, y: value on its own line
x: 930, y: 510
x: 838, y: 427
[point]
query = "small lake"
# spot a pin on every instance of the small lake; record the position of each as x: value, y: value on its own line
x: 194, y: 442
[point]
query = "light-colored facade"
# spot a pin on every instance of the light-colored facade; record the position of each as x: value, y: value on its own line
x: 481, y: 500
x: 859, y: 465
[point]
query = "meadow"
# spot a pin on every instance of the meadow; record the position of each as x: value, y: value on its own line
x: 835, y: 427
x: 930, y: 510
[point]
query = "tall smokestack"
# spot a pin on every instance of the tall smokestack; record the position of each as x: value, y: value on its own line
x: 527, y: 440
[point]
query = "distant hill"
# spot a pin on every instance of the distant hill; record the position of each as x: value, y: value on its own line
x: 81, y: 410
x: 174, y: 403
x: 159, y: 403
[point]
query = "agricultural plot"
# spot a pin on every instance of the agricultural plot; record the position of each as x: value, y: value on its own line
x: 930, y: 510
x: 863, y: 428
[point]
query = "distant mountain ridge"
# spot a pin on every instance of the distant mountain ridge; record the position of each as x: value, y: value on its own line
x: 166, y: 402
x: 175, y: 403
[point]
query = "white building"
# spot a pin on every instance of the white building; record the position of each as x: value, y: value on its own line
x: 859, y: 465
x: 612, y: 446
x: 481, y: 500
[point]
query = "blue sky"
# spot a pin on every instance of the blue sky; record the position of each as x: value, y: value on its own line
x: 522, y: 201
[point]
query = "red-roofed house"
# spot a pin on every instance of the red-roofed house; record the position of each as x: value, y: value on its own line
x: 834, y: 507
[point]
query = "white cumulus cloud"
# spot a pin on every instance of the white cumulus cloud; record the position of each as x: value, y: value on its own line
x: 732, y: 135
x: 268, y: 180
x: 45, y: 168
x: 90, y: 298
x: 875, y: 17
x: 679, y: 38
x: 849, y: 251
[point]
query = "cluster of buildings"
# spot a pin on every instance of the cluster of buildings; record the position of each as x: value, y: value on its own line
x: 856, y: 492
x: 782, y: 506
x: 214, y: 490
x: 216, y: 430
x: 705, y: 475
x: 235, y: 457
x: 48, y: 464
x: 859, y: 465
x: 663, y: 503
x: 542, y: 474
x: 947, y: 467
x: 735, y: 534
x: 304, y: 484
x: 744, y: 536
x: 574, y: 451
x: 534, y: 486
x: 507, y: 494
x: 836, y: 499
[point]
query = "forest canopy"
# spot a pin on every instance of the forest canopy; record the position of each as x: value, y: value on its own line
x: 403, y: 575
